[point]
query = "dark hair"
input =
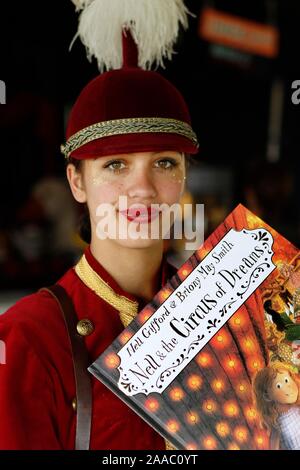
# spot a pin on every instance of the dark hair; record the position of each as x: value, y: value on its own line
x: 191, y: 160
x: 84, y: 224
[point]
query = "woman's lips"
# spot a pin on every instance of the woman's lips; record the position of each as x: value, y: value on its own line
x: 140, y: 215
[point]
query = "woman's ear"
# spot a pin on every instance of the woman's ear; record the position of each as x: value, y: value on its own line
x: 75, y: 178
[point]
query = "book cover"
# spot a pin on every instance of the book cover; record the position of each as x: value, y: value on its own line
x: 212, y: 361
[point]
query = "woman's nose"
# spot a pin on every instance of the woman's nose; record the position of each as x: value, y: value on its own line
x: 141, y: 185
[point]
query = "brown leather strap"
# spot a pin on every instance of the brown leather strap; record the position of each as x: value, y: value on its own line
x: 80, y: 363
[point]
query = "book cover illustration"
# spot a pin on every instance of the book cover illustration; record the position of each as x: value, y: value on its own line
x: 212, y: 361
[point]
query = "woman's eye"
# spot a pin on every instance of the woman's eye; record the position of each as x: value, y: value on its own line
x: 115, y: 165
x: 286, y: 380
x: 278, y: 385
x: 166, y: 163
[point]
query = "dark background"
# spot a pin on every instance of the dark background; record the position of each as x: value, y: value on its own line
x: 229, y: 101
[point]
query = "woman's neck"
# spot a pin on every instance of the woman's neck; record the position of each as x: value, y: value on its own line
x: 135, y: 270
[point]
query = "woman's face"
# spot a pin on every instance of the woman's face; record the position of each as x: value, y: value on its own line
x: 121, y: 191
x: 284, y: 389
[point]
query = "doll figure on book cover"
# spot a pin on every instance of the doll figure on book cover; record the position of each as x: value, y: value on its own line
x: 277, y: 399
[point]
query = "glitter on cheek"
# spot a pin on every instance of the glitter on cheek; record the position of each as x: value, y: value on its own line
x: 103, y: 189
x: 178, y: 174
x: 100, y: 180
x: 102, y: 177
x: 178, y: 178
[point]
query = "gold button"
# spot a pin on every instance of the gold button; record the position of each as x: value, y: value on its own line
x: 85, y: 327
x: 74, y: 404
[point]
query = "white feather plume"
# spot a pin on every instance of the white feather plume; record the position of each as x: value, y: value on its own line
x: 154, y: 25
x: 81, y: 4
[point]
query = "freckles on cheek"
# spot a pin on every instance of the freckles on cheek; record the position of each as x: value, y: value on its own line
x: 105, y: 193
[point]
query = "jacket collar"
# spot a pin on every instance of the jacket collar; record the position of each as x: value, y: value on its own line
x: 94, y: 276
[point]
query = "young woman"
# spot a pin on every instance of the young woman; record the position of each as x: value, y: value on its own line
x: 127, y: 136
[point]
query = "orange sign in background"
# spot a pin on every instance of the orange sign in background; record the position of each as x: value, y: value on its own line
x: 233, y: 31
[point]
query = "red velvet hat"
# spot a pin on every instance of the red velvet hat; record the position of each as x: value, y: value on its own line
x: 129, y: 109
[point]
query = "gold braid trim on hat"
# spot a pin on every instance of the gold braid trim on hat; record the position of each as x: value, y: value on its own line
x: 127, y: 126
x: 127, y: 308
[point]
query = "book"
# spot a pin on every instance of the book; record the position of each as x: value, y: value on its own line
x: 212, y: 361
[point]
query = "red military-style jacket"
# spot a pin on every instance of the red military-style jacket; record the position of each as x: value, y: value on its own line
x: 37, y: 385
